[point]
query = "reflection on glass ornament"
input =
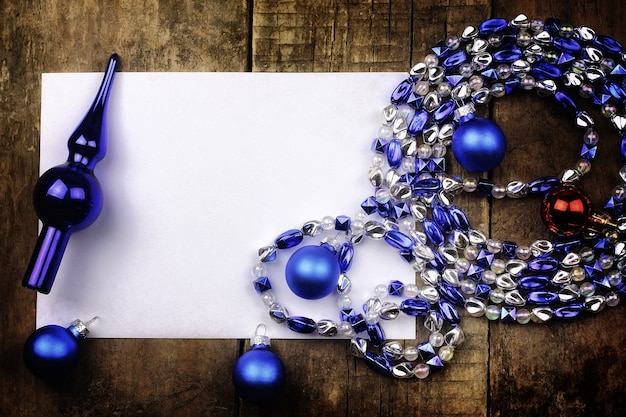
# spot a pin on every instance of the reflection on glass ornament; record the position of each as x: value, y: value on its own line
x: 68, y: 197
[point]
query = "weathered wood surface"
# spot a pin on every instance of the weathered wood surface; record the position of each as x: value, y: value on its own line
x: 561, y: 369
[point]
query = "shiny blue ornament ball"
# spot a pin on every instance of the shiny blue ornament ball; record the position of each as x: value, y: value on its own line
x: 312, y: 272
x: 259, y: 375
x: 478, y: 145
x: 51, y: 352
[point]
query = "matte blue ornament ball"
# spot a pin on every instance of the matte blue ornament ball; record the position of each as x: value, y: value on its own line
x: 478, y: 145
x: 259, y: 375
x: 51, y: 352
x: 312, y: 272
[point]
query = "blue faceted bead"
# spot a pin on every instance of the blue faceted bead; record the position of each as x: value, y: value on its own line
x: 475, y: 272
x: 426, y: 351
x: 608, y: 44
x: 490, y: 74
x: 378, y: 363
x: 508, y: 314
x: 543, y: 264
x: 379, y: 145
x: 543, y: 185
x: 433, y: 232
x: 426, y: 187
x: 415, y: 100
x: 301, y: 324
x: 438, y: 262
x: 358, y: 323
x: 407, y: 257
x: 435, y: 363
x: 396, y: 288
x: 402, y: 92
x: 394, y: 153
x: 289, y: 239
x: 533, y: 282
x: 415, y: 307
x: 444, y: 111
x: 262, y: 284
x: 454, y: 79
x: 450, y: 314
x: 552, y: 25
x: 459, y: 218
x: 417, y: 123
x: 451, y: 294
x: 345, y: 256
x: 399, y: 240
x: 544, y: 70
x: 565, y: 59
x: 484, y: 258
x: 593, y: 270
x: 401, y: 210
x: 569, y: 311
x: 346, y: 314
x: 566, y: 45
x: 440, y: 50
x: 614, y: 89
x: 492, y: 25
x: 565, y: 244
x: 507, y: 55
x: 484, y: 187
x: 455, y: 59
x: 543, y: 297
x: 566, y: 101
x: 588, y: 152
x: 370, y: 205
x: 342, y: 223
x: 482, y: 291
x: 376, y: 334
x: 509, y: 249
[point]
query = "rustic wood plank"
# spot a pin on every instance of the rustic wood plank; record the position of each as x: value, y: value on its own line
x: 563, y: 368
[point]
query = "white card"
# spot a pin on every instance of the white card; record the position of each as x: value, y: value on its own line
x: 202, y: 170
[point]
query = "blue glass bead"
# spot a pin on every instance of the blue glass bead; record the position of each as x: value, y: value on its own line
x: 566, y: 45
x: 593, y: 270
x: 415, y: 100
x: 533, y: 282
x: 459, y: 218
x: 358, y: 323
x: 565, y: 244
x: 544, y: 70
x: 369, y: 205
x: 482, y: 291
x: 509, y: 249
x: 312, y: 272
x: 614, y: 89
x: 346, y: 314
x: 300, y: 324
x: 417, y: 123
x: 507, y: 55
x: 259, y: 375
x: 379, y: 145
x: 415, y: 307
x: 402, y: 91
x: 345, y: 256
x: 289, y: 239
x: 426, y: 187
x: 433, y: 232
x: 342, y: 223
x: 435, y: 363
x: 569, y: 311
x: 602, y: 282
x: 394, y: 153
x: 489, y: 74
x: 401, y: 210
x: 450, y: 314
x: 484, y: 187
x: 542, y: 297
x: 543, y: 185
x: 475, y: 272
x: 478, y: 145
x: 376, y: 334
x: 444, y: 111
x: 566, y: 101
x: 451, y: 294
x: 426, y: 351
x: 454, y: 79
x: 407, y: 257
x: 618, y: 70
x: 608, y: 44
x: 508, y: 314
x: 484, y: 258
x: 603, y: 247
x: 442, y: 218
x: 588, y: 152
x: 565, y: 59
x: 455, y: 59
x: 492, y: 25
x: 399, y: 240
x: 262, y: 284
x: 621, y: 288
x: 552, y: 25
x: 543, y: 264
x: 378, y: 363
x: 396, y: 288
x: 385, y: 209
x: 511, y: 85
x: 438, y: 263
x: 601, y: 99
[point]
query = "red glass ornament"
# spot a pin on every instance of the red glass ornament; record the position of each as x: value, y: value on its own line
x: 566, y: 210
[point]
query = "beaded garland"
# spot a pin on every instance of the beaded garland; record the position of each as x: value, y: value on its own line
x: 579, y: 269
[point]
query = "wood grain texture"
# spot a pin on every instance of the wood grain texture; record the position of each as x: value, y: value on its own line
x: 561, y: 369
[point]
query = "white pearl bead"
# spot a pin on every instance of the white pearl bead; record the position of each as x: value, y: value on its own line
x: 421, y: 370
x: 436, y: 339
x: 381, y: 291
x: 410, y: 290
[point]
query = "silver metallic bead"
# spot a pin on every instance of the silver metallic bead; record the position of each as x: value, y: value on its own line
x: 327, y: 328
x: 516, y: 267
x: 514, y: 298
x: 389, y: 113
x: 541, y: 314
x: 429, y: 294
x: 433, y: 322
x: 392, y: 350
x: 375, y: 230
x: 431, y: 102
x: 595, y: 303
x: 454, y: 337
x: 517, y: 189
x: 505, y: 282
x: 418, y: 71
x: 389, y: 311
x: 469, y: 32
x: 358, y: 347
x: 403, y: 370
x: 521, y: 21
x: 278, y: 313
x: 569, y: 293
x: 344, y: 284
x: 266, y: 252
x: 375, y: 176
x: 475, y: 307
x: 541, y: 247
x: 430, y: 277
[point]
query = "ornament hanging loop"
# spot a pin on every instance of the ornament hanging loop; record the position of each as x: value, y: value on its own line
x: 260, y: 337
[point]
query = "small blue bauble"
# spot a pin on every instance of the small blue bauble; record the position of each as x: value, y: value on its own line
x: 478, y: 145
x: 312, y: 272
x: 51, y: 352
x: 259, y: 375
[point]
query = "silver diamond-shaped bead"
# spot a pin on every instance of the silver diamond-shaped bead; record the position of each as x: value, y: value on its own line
x: 435, y: 74
x: 433, y: 322
x: 541, y: 314
x: 312, y: 228
x: 391, y: 177
x: 505, y: 282
x: 344, y: 284
x: 389, y: 113
x: 521, y: 21
x: 400, y: 191
x: 430, y: 135
x: 431, y: 102
x: 619, y: 122
x: 475, y: 307
x: 569, y: 293
x: 543, y: 37
x: 595, y: 303
x: 409, y: 147
x: 392, y: 350
x: 514, y: 298
x: 454, y: 337
x: 482, y: 59
x: 429, y: 294
x: 266, y: 252
x: 358, y: 347
x: 375, y: 230
x: 389, y: 311
x: 403, y: 370
x: 461, y: 92
x: 278, y: 313
x: 418, y: 210
x: 375, y: 176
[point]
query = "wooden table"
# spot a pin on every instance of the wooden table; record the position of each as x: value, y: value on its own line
x: 559, y: 369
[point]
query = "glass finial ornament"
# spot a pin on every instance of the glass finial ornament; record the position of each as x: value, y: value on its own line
x: 68, y: 197
x: 51, y: 352
x: 259, y: 375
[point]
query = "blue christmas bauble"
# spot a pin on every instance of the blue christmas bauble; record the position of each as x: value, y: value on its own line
x: 312, y: 272
x: 259, y: 375
x: 51, y: 352
x: 478, y: 145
